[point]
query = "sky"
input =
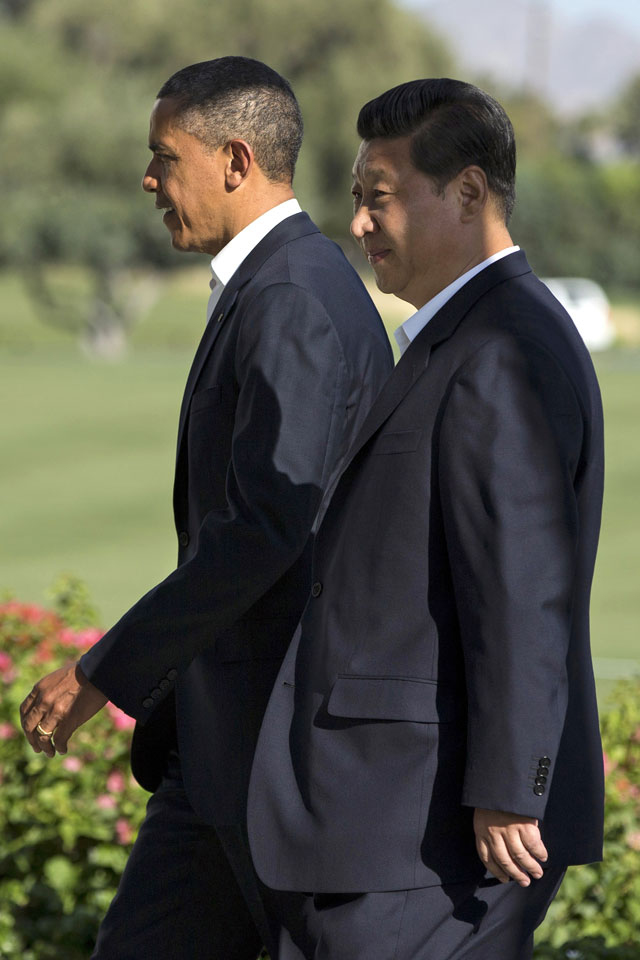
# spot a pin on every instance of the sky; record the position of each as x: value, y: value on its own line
x: 624, y: 11
x: 579, y: 58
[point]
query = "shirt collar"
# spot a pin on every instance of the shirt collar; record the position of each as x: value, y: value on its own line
x: 410, y: 329
x: 225, y: 263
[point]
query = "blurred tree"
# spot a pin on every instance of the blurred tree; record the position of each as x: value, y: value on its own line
x: 539, y: 133
x: 626, y: 117
x: 578, y: 218
x: 77, y: 82
x: 70, y: 169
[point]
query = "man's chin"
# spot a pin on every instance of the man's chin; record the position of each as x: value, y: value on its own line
x: 187, y: 245
x: 384, y: 283
x: 179, y: 242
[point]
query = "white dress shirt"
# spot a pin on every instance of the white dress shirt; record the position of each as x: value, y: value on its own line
x: 410, y: 329
x: 225, y: 263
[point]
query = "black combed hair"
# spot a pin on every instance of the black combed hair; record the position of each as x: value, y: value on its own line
x: 453, y: 125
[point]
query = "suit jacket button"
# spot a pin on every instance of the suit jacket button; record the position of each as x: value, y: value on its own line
x: 538, y: 790
x: 164, y: 684
x: 540, y: 780
x: 147, y: 703
x: 543, y: 771
x: 316, y: 589
x: 156, y: 693
x: 544, y: 762
x: 183, y: 538
x: 172, y: 674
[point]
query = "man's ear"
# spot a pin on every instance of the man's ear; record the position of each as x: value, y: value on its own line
x: 473, y: 192
x: 239, y: 162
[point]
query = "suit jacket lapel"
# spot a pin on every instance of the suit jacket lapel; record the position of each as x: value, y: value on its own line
x: 211, y: 331
x: 292, y: 228
x: 416, y: 357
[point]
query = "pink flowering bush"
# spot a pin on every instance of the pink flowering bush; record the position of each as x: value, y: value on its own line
x: 66, y: 824
x: 597, y: 912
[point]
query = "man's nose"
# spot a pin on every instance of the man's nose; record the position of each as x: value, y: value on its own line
x: 150, y: 180
x: 362, y: 223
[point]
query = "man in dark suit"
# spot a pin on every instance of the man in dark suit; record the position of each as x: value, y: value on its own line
x: 430, y: 759
x: 292, y: 357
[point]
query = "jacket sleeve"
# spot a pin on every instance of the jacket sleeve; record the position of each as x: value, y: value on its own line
x: 288, y: 432
x: 510, y: 445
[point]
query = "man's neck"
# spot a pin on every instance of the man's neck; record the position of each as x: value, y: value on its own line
x: 254, y: 206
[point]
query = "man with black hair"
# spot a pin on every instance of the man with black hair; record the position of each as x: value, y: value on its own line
x: 430, y: 760
x: 292, y: 357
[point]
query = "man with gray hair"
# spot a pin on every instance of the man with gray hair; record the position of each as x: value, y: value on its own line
x: 292, y: 357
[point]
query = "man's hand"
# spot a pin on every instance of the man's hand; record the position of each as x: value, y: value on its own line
x: 59, y: 704
x: 510, y: 846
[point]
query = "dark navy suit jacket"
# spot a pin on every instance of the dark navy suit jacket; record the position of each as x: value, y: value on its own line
x: 443, y: 661
x: 288, y: 366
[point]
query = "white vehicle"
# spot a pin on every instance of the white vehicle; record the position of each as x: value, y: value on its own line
x: 586, y: 303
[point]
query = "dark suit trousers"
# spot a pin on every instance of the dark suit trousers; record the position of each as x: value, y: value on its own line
x: 460, y: 921
x: 189, y: 891
x: 180, y: 894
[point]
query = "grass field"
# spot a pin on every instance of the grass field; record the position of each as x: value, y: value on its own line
x: 88, y: 453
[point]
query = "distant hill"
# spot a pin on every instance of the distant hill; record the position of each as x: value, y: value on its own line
x: 574, y: 63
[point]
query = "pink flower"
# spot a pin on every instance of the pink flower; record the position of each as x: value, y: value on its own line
x: 115, y: 782
x: 8, y: 608
x: 124, y: 832
x: 7, y: 732
x: 80, y: 639
x: 623, y: 785
x: 86, y: 638
x: 73, y: 764
x: 7, y: 669
x: 121, y: 720
x: 67, y: 637
x: 11, y: 608
x: 29, y: 612
x: 44, y: 652
x: 608, y: 764
x: 32, y: 613
x: 633, y: 839
x: 105, y: 802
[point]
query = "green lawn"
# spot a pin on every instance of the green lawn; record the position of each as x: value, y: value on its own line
x: 86, y: 476
x: 88, y: 452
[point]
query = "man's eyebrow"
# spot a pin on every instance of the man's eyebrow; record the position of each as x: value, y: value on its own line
x: 160, y: 148
x: 368, y: 172
x: 379, y: 172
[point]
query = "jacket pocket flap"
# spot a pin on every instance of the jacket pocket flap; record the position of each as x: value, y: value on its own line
x: 404, y: 442
x: 389, y: 698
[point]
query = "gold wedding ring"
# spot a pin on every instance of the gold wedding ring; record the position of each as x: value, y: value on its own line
x: 44, y: 733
